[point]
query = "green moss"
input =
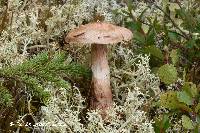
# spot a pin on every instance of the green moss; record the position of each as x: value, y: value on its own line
x: 5, y: 97
x: 36, y: 73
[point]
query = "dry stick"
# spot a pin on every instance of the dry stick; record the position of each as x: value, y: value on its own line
x: 29, y: 113
x: 4, y: 19
x: 70, y: 128
x: 11, y: 19
x: 29, y: 109
x: 37, y: 46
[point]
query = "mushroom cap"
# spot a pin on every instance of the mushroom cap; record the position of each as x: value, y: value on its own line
x: 99, y: 33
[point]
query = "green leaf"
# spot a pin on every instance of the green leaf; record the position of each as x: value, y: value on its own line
x: 198, y: 26
x: 174, y: 56
x: 139, y: 37
x: 134, y: 26
x: 162, y: 125
x: 186, y: 122
x: 168, y: 74
x: 173, y: 36
x: 181, y: 12
x: 130, y: 5
x: 191, y: 43
x: 169, y: 100
x: 184, y: 97
x: 197, y: 108
x: 142, y: 14
x: 184, y: 107
x: 190, y: 88
x: 150, y: 37
x: 154, y: 51
x: 157, y: 126
x: 198, y: 118
x: 165, y: 122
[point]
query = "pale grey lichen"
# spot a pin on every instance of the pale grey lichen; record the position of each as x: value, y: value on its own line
x: 29, y: 23
x: 125, y: 116
x: 41, y: 23
x: 135, y: 69
x: 121, y: 118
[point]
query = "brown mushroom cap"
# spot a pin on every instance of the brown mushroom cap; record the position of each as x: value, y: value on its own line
x: 99, y: 33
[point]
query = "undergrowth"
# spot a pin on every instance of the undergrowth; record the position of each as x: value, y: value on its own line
x: 155, y: 78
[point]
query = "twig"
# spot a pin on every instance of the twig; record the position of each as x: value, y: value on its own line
x: 70, y: 128
x: 29, y: 109
x: 37, y: 46
x: 4, y: 19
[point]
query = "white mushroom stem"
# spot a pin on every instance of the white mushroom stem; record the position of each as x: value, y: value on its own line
x: 101, y: 94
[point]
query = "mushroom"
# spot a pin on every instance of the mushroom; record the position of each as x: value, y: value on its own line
x: 99, y: 34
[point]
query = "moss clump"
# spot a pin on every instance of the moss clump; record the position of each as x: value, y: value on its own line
x: 5, y: 97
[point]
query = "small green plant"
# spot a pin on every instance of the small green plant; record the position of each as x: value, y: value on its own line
x: 42, y: 69
x: 5, y: 97
x: 155, y: 92
x: 170, y: 33
x: 161, y: 125
x: 156, y: 30
x: 31, y: 78
x: 185, y: 103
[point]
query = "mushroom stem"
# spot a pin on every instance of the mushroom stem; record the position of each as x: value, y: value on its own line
x: 101, y: 94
